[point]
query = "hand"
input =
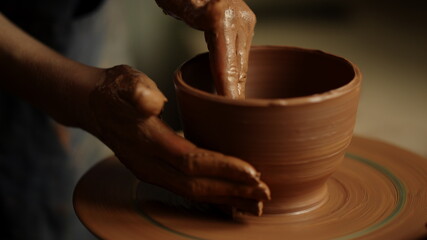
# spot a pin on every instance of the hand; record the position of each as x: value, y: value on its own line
x: 125, y: 106
x: 229, y: 28
x: 229, y: 31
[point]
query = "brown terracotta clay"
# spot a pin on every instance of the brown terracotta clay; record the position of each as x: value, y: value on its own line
x: 379, y: 192
x: 294, y: 126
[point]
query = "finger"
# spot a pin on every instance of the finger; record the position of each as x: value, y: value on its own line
x: 165, y: 143
x: 204, y: 188
x: 242, y: 60
x: 234, y: 206
x: 193, y: 161
x: 246, y: 22
x: 242, y: 197
x: 244, y: 41
x: 222, y: 55
x: 206, y: 163
x: 148, y: 98
x: 138, y: 90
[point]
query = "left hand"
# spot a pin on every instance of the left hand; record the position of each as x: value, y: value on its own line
x: 124, y: 109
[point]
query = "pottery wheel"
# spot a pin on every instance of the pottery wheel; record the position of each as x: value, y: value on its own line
x: 379, y: 192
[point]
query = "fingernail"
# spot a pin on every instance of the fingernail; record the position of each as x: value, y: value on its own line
x: 251, y: 171
x: 258, y: 209
x: 262, y: 192
x: 267, y: 191
x: 253, y: 176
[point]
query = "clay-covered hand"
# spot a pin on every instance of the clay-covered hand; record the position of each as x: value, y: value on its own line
x: 229, y: 28
x: 125, y: 106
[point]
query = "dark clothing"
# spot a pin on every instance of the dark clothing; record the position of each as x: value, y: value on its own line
x: 36, y: 176
x: 50, y: 21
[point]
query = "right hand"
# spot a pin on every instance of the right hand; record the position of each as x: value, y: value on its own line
x: 124, y: 109
x: 229, y: 28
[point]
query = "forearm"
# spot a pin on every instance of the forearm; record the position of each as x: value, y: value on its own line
x: 44, y: 78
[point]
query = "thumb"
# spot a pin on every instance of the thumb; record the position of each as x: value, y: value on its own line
x: 148, y: 99
x: 137, y: 90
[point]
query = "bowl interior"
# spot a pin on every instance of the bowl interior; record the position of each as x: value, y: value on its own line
x: 279, y: 72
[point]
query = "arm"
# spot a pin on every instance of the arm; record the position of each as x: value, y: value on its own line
x: 39, y: 75
x: 229, y: 28
x: 120, y: 105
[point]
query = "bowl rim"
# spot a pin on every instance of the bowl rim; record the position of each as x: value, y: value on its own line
x: 353, y: 84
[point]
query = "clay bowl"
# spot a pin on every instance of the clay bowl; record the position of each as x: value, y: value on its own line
x: 294, y: 125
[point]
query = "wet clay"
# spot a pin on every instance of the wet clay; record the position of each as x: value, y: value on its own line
x: 377, y: 193
x: 293, y: 127
x: 229, y: 28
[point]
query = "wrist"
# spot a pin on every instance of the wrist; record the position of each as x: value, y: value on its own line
x: 81, y: 113
x: 74, y: 84
x: 181, y: 9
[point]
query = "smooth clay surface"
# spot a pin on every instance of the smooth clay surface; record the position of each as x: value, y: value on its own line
x: 293, y: 127
x: 377, y: 193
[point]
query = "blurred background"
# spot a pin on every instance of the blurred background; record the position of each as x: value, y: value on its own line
x: 386, y: 39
